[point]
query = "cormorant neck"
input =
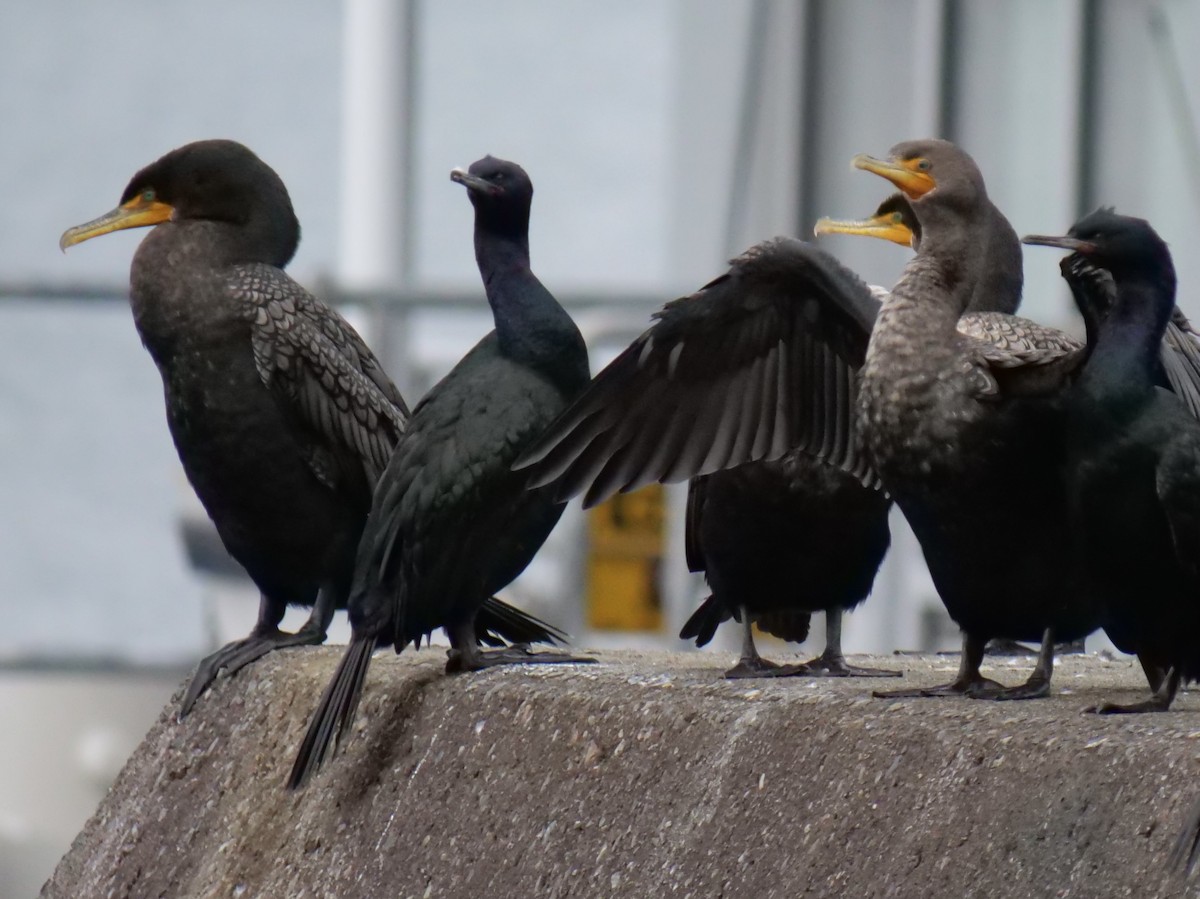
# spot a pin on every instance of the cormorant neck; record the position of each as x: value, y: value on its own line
x: 267, y: 235
x: 1001, y: 278
x: 1126, y: 342
x: 498, y: 252
x: 531, y: 327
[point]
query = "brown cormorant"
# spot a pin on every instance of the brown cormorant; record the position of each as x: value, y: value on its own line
x: 1133, y: 453
x: 451, y: 522
x: 282, y: 417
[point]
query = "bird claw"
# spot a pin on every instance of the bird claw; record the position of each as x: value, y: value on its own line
x: 756, y: 667
x: 235, y: 656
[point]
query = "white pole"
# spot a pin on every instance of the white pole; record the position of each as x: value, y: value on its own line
x: 376, y: 119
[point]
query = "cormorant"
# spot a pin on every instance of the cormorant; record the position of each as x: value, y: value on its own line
x: 451, y: 522
x: 1133, y: 453
x: 763, y: 361
x: 780, y: 540
x: 282, y: 417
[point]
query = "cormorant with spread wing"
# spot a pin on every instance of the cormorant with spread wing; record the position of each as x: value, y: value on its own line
x: 785, y: 352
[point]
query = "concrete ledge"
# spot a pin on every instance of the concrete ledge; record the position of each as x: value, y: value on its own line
x: 647, y: 776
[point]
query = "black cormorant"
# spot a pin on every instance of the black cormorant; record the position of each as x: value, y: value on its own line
x: 451, y: 523
x: 763, y: 361
x: 1133, y: 464
x: 282, y: 417
x: 780, y: 540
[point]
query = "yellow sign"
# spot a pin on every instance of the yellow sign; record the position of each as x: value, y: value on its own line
x: 625, y: 549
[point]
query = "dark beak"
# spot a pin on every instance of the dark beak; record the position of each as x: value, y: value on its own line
x: 1071, y: 244
x: 469, y: 181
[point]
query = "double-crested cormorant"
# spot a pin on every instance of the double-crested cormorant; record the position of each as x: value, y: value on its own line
x: 451, y: 522
x: 780, y: 540
x: 1133, y: 467
x: 762, y: 361
x: 282, y: 417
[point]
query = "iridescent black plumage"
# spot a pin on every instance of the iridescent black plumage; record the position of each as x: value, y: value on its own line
x: 451, y: 523
x: 1133, y: 453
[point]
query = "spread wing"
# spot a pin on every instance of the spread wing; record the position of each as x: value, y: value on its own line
x: 760, y: 361
x: 322, y: 370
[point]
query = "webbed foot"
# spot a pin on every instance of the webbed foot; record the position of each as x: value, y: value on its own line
x: 829, y: 664
x: 235, y: 656
x: 519, y: 654
x: 976, y: 688
x: 754, y: 666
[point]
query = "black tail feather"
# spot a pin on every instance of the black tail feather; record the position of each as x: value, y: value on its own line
x: 704, y: 621
x: 498, y: 624
x: 1187, y: 848
x: 786, y: 624
x: 334, y: 713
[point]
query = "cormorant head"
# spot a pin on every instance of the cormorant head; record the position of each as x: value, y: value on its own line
x: 1123, y: 245
x: 929, y: 168
x: 211, y: 180
x: 501, y: 193
x: 893, y: 220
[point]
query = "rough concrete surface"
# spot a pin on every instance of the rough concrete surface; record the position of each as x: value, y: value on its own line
x: 646, y: 776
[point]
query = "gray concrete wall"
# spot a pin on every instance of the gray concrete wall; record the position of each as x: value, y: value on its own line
x: 647, y: 776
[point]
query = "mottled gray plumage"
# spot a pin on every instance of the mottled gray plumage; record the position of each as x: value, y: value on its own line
x: 322, y: 369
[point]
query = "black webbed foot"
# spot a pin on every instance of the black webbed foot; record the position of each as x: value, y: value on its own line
x: 234, y: 656
x: 829, y: 664
x: 1037, y: 687
x: 755, y: 666
x: 520, y: 654
x: 1159, y: 702
x: 976, y: 688
x: 1153, y: 704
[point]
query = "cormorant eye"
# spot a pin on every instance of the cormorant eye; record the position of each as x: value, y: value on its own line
x: 924, y: 165
x: 897, y: 218
x: 148, y: 195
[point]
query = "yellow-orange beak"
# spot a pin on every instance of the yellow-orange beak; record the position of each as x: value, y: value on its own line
x: 885, y: 227
x: 137, y: 213
x: 902, y: 173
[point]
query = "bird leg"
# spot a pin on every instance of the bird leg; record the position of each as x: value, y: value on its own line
x: 968, y: 681
x: 265, y: 638
x: 465, y: 655
x: 1038, y: 685
x: 831, y: 662
x: 751, y: 664
x: 1159, y: 702
x: 1154, y: 674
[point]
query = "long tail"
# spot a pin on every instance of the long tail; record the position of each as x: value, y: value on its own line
x: 1187, y: 848
x: 498, y: 623
x: 334, y: 713
x: 704, y: 621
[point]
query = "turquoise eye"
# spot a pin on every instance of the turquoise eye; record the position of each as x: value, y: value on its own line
x: 923, y: 165
x: 148, y: 195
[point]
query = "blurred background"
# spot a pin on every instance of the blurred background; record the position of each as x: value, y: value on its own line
x: 662, y: 136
